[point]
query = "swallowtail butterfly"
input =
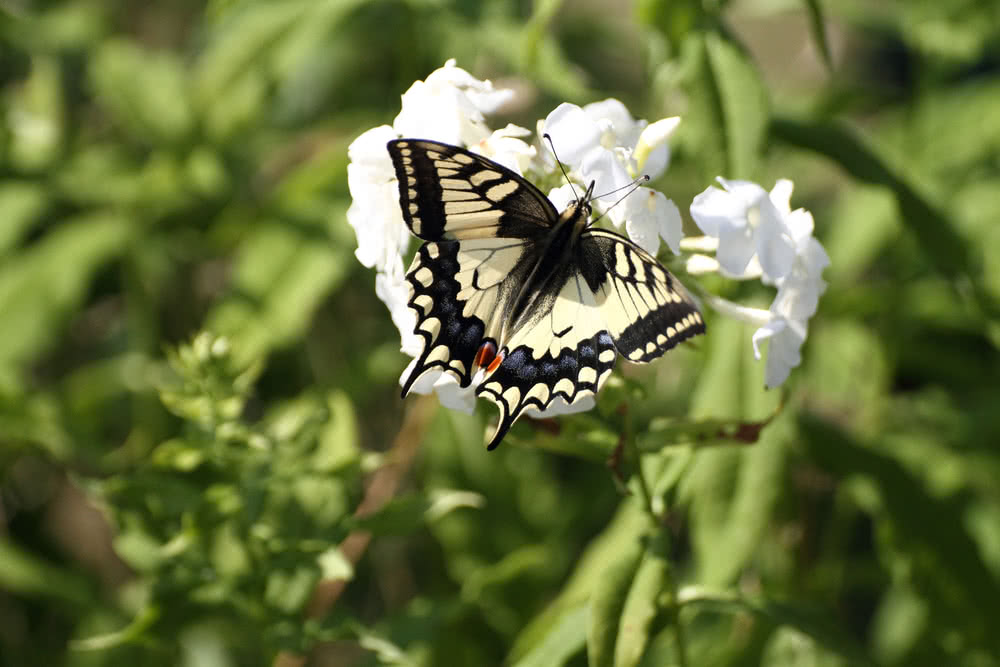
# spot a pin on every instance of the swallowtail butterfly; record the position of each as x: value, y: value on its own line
x: 540, y: 301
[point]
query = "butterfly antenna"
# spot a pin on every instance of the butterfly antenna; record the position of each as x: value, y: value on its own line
x: 561, y: 167
x: 635, y: 185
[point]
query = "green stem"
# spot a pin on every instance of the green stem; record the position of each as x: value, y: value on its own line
x: 647, y: 496
x: 673, y: 608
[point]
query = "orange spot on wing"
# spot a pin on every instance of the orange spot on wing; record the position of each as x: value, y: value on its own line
x: 485, y: 354
x: 495, y: 363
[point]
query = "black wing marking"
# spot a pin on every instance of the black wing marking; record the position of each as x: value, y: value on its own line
x: 459, y: 291
x: 446, y: 192
x: 561, y: 349
x: 645, y: 308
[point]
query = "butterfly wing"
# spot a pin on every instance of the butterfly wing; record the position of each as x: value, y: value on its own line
x: 446, y: 192
x: 487, y: 230
x: 459, y: 291
x: 612, y: 297
x: 560, y: 349
x: 646, y: 310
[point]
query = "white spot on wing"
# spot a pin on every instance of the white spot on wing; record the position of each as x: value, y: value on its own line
x: 481, y: 177
x: 424, y: 276
x: 498, y: 192
x: 564, y: 386
x: 459, y: 207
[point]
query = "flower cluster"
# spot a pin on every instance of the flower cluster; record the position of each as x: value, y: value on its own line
x: 756, y: 234
x: 753, y: 233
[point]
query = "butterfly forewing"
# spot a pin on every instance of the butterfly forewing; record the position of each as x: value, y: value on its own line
x: 446, y: 192
x: 645, y: 308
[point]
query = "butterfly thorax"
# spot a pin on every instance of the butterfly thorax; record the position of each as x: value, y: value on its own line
x: 557, y: 254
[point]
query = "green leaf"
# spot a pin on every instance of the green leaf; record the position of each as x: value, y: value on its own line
x: 607, y: 603
x: 812, y: 622
x: 732, y: 490
x: 817, y: 25
x: 43, y: 285
x: 943, y: 556
x: 645, y: 601
x: 624, y: 530
x: 933, y: 229
x: 565, y: 639
x: 25, y: 573
x: 289, y: 590
x: 338, y: 444
x: 280, y: 277
x: 404, y: 515
x: 146, y: 91
x: 22, y: 203
x: 727, y: 118
x: 34, y: 117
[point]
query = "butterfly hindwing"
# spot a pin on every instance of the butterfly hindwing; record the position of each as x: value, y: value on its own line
x: 645, y: 308
x: 560, y: 350
x: 446, y: 192
x: 458, y: 291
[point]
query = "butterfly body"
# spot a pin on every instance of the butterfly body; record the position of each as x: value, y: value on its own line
x: 538, y: 303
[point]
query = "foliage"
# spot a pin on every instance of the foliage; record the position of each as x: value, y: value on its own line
x: 203, y: 459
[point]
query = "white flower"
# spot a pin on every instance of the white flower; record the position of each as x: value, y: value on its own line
x: 652, y: 153
x: 649, y: 216
x: 748, y: 225
x: 589, y: 144
x: 558, y: 406
x: 445, y: 386
x: 758, y: 234
x: 507, y: 148
x: 449, y: 106
x: 391, y: 287
x: 783, y: 350
x: 562, y: 196
x: 374, y: 212
x: 603, y: 143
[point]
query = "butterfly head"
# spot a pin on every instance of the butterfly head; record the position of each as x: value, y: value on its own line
x: 577, y: 214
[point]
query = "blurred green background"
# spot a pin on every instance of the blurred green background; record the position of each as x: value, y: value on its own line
x: 182, y: 499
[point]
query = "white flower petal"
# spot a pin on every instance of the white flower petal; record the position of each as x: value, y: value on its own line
x: 448, y: 107
x: 671, y: 225
x: 377, y: 221
x: 755, y: 316
x: 368, y: 151
x: 454, y: 396
x: 604, y: 168
x: 573, y: 133
x: 650, y: 216
x: 652, y: 153
x: 783, y: 351
x: 391, y: 287
x: 736, y: 249
x: 507, y: 148
x: 800, y: 226
x: 700, y: 243
x: 775, y: 247
x: 781, y: 195
x: 562, y: 196
x: 714, y: 209
x: 558, y: 406
x: 614, y: 117
x: 699, y: 264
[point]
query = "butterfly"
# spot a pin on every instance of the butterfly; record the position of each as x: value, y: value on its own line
x: 533, y: 304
